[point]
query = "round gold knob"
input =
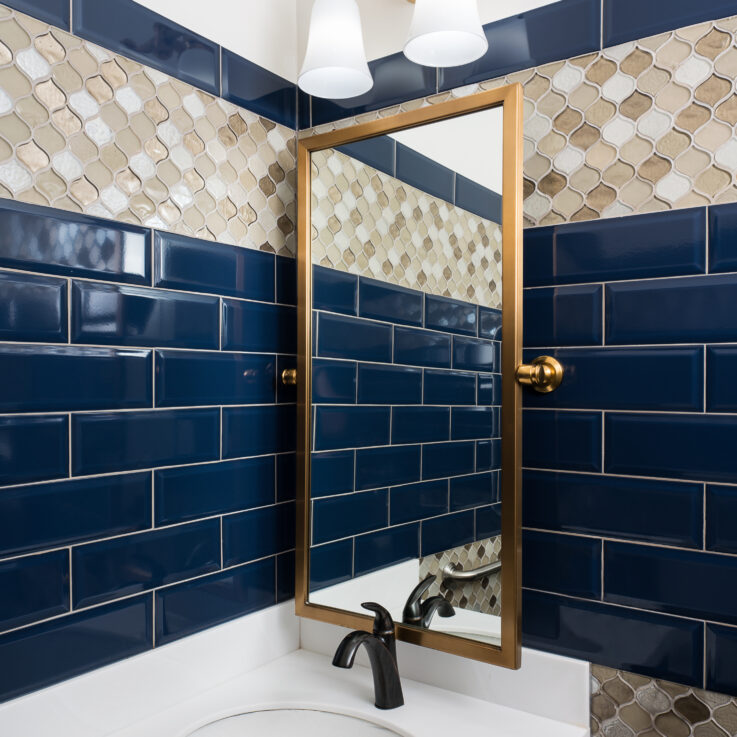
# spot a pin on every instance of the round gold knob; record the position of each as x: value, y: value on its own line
x: 289, y: 377
x: 544, y: 374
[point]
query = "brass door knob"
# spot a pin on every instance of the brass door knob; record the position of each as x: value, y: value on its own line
x: 289, y: 377
x: 544, y: 374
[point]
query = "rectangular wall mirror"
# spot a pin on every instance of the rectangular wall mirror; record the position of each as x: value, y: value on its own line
x: 410, y: 335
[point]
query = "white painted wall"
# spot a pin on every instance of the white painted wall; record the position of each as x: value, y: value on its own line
x: 273, y: 33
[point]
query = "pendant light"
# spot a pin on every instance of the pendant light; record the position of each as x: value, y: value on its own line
x: 335, y: 61
x: 445, y: 33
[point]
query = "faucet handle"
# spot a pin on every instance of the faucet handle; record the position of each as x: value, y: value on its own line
x: 413, y: 608
x: 383, y: 622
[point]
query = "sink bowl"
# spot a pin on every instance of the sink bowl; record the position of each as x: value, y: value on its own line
x: 290, y: 722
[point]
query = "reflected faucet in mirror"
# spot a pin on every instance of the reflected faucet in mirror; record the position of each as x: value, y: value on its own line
x: 420, y: 613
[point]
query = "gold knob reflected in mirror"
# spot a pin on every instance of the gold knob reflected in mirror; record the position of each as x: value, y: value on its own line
x: 544, y: 374
x: 289, y: 377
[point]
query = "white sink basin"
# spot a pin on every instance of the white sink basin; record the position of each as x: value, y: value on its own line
x: 290, y: 722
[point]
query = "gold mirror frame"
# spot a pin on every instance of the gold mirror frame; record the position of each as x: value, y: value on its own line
x: 510, y: 97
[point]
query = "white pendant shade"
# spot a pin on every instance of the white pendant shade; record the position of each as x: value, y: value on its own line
x: 445, y: 33
x: 335, y: 61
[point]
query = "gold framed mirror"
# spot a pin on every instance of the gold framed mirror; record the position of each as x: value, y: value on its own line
x: 409, y: 414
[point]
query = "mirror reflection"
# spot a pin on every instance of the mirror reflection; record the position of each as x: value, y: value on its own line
x: 405, y: 498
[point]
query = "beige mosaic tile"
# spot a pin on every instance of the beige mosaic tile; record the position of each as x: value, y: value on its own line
x: 86, y: 130
x: 483, y: 595
x: 368, y: 223
x: 627, y: 705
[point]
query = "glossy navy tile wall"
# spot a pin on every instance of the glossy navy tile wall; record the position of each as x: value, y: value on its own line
x: 353, y: 338
x: 34, y: 448
x: 334, y: 291
x: 563, y: 315
x: 331, y: 564
x: 351, y: 514
x: 253, y: 326
x: 332, y: 473
x: 258, y: 533
x: 626, y: 20
x: 149, y: 38
x: 55, y: 12
x: 250, y: 431
x: 721, y: 654
x: 421, y: 348
x: 721, y: 363
x: 33, y: 308
x: 389, y: 384
x: 378, y: 152
x: 53, y: 241
x: 722, y: 229
x: 382, y: 301
x: 568, y: 441
x: 721, y: 518
x: 446, y: 532
x: 387, y: 466
x: 422, y: 172
x: 386, y: 548
x: 418, y: 501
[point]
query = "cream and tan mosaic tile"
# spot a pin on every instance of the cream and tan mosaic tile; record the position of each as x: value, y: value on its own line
x: 368, y: 223
x: 641, y: 127
x: 627, y: 705
x: 483, y: 595
x: 89, y: 131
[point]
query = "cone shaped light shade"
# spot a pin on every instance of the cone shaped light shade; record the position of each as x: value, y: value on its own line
x: 335, y: 61
x: 445, y: 33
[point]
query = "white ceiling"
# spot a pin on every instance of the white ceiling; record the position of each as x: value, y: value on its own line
x: 273, y: 33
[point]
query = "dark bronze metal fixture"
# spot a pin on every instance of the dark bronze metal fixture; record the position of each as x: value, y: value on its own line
x: 420, y: 613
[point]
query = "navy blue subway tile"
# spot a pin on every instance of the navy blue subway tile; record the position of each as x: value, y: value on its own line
x: 187, y: 493
x: 382, y: 301
x: 285, y: 576
x: 333, y: 382
x: 254, y: 326
x: 257, y: 89
x: 33, y: 308
x: 474, y: 490
x: 489, y: 454
x: 396, y: 79
x: 689, y: 583
x: 420, y: 424
x: 196, y: 605
x: 667, y: 379
x: 304, y: 110
x: 721, y: 518
x: 34, y: 448
x: 568, y: 441
x: 33, y: 588
x: 134, y: 563
x: 119, y: 441
x: 151, y: 39
x: 56, y: 242
x: 250, y: 431
x: 286, y: 477
x: 334, y: 291
x: 668, y: 512
x: 557, y: 31
x: 424, y: 173
x: 449, y: 387
x: 352, y: 338
x: 351, y: 427
x: 188, y: 379
x: 417, y: 501
x: 723, y: 238
x: 641, y: 642
x: 56, y: 378
x: 563, y: 316
x: 80, y: 642
x: 489, y: 389
x: 446, y: 532
x: 350, y: 514
x: 286, y: 280
x: 490, y: 323
x: 721, y: 655
x: 673, y: 446
x: 689, y: 310
x: 205, y: 266
x: 332, y: 473
x: 468, y: 423
x: 626, y: 20
x: 55, y: 12
x: 562, y: 564
x: 389, y: 384
x: 377, y: 152
x: 122, y: 315
x: 386, y: 548
x: 721, y: 392
x: 387, y: 466
x: 488, y: 521
x: 659, y: 244
x: 258, y: 533
x: 475, y: 198
x: 447, y: 459
x: 71, y: 511
x: 331, y: 564
x: 421, y: 348
x: 451, y: 315
x: 471, y: 354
